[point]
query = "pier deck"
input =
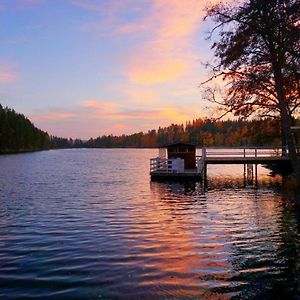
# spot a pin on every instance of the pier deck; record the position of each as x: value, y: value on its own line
x: 161, y: 168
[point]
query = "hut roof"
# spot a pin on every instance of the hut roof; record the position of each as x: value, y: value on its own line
x: 179, y: 144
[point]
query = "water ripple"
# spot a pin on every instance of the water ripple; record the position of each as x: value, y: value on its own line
x: 74, y: 225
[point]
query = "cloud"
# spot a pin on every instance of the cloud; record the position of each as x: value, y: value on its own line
x: 7, y: 74
x: 53, y: 116
x: 179, y: 92
x: 159, y: 70
x: 98, y: 107
x: 114, y: 111
x: 98, y: 7
x: 104, y: 117
x: 159, y: 34
x: 139, y: 96
x: 166, y: 53
x: 107, y: 110
x: 108, y: 13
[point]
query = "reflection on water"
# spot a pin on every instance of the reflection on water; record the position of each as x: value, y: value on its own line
x: 75, y: 224
x: 246, y: 240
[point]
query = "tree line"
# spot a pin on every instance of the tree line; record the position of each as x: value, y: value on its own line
x: 18, y: 134
x: 202, y: 132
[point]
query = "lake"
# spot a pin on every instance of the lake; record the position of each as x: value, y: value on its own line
x: 89, y: 224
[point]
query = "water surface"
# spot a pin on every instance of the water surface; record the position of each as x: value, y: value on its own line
x: 89, y: 224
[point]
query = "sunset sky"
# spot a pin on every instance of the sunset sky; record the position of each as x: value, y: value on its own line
x: 83, y: 68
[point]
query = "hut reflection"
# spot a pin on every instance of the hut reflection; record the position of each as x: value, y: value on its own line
x: 175, y: 188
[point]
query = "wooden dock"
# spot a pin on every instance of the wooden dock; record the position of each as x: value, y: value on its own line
x: 238, y: 155
x: 163, y: 168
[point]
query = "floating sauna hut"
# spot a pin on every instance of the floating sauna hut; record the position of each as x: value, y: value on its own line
x: 177, y: 160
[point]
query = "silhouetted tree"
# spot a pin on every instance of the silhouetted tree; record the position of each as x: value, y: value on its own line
x: 258, y: 54
x: 18, y: 134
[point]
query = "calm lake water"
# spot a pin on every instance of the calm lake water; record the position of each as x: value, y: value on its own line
x: 89, y: 224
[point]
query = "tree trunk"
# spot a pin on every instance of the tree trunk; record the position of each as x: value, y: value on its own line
x: 286, y: 121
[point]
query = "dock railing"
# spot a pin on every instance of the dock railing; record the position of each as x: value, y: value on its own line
x: 163, y: 165
x: 242, y: 152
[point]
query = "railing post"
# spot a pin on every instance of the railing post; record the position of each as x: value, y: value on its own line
x: 255, y: 151
x: 244, y: 152
x: 203, y: 153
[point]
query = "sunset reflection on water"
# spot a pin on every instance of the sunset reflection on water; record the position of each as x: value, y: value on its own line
x: 76, y: 224
x: 235, y: 234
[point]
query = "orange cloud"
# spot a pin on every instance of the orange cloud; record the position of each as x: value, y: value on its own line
x: 184, y: 91
x: 113, y: 111
x: 175, y: 116
x: 94, y: 117
x: 164, y: 31
x: 139, y: 96
x: 165, y: 54
x: 157, y: 71
x: 103, y: 107
x: 108, y: 111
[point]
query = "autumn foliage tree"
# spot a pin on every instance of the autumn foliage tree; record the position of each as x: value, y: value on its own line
x: 258, y: 56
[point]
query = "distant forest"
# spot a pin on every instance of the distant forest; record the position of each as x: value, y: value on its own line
x: 202, y: 132
x: 18, y: 134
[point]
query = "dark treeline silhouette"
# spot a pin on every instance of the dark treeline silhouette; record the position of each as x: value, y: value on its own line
x: 18, y: 134
x: 200, y: 132
x: 64, y: 143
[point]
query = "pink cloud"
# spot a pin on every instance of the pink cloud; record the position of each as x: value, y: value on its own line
x: 97, y: 109
x: 92, y: 117
x: 7, y: 74
x: 105, y: 108
x: 53, y: 116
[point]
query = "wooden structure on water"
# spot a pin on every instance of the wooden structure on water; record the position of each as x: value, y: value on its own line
x: 180, y: 161
x: 177, y: 160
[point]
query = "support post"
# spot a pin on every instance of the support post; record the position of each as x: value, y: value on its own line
x: 204, y: 172
x: 256, y: 175
x: 204, y: 154
x: 250, y: 174
x: 204, y: 175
